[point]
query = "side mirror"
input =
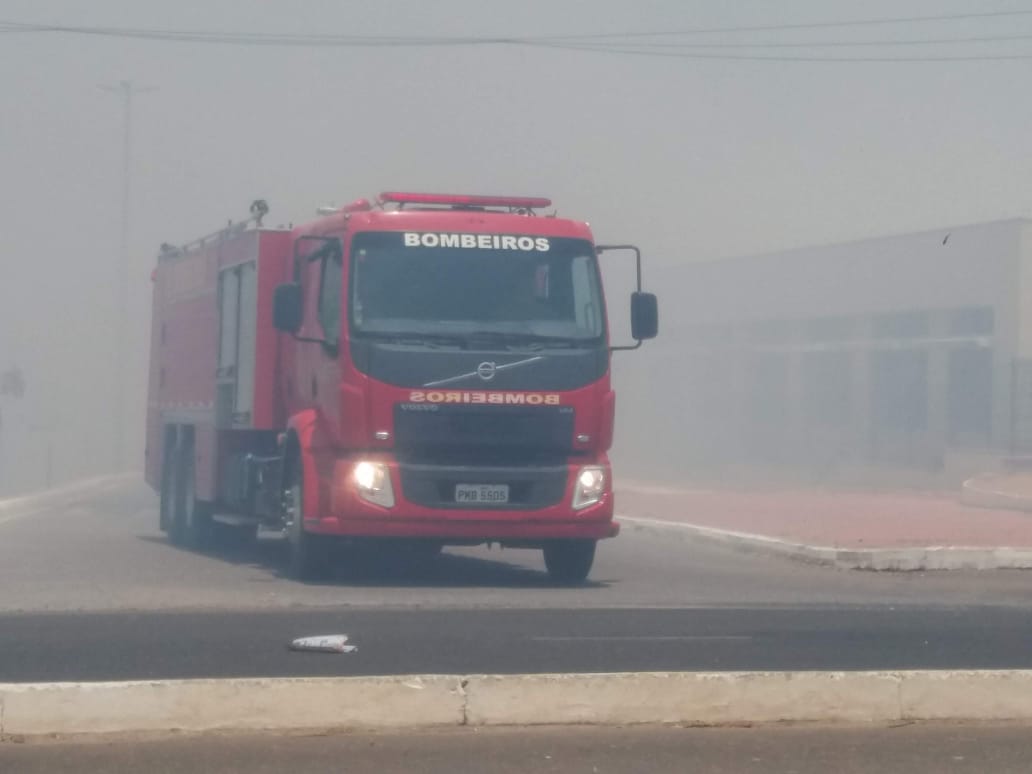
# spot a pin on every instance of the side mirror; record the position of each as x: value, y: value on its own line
x: 287, y: 307
x: 644, y: 316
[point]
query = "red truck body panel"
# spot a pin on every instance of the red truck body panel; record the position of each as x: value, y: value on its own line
x: 184, y: 365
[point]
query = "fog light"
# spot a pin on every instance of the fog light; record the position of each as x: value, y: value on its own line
x: 590, y: 486
x: 373, y: 482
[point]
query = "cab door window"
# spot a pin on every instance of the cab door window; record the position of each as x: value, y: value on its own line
x: 331, y: 278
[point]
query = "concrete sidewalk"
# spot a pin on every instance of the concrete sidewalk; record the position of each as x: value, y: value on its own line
x: 860, y: 530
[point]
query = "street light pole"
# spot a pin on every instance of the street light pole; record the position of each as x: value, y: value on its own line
x: 126, y: 90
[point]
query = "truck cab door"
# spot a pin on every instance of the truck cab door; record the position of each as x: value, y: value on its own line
x: 319, y: 261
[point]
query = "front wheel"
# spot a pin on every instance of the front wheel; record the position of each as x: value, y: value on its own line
x: 308, y: 555
x: 569, y: 561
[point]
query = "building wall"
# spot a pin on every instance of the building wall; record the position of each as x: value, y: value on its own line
x: 975, y: 266
x: 1020, y: 397
x: 887, y: 351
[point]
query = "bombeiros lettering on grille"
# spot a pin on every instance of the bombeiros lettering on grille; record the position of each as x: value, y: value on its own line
x: 478, y: 241
x: 486, y: 398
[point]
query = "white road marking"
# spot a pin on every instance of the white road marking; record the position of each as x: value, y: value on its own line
x: 11, y: 517
x: 644, y: 638
x: 63, y: 498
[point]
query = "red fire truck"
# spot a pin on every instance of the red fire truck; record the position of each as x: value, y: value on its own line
x: 419, y: 371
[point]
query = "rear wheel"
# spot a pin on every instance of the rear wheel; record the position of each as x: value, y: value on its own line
x: 569, y: 561
x: 191, y: 523
x: 308, y: 555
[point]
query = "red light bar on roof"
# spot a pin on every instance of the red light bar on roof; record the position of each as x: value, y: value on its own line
x: 522, y: 202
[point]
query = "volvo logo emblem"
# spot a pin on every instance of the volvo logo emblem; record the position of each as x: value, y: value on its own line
x: 486, y: 371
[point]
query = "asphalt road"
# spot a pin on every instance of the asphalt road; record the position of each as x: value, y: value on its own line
x: 807, y: 750
x: 254, y: 644
x: 91, y: 591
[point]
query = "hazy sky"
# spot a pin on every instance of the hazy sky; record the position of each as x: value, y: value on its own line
x: 690, y: 158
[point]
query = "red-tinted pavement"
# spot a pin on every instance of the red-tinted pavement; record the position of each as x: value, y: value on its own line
x: 835, y: 519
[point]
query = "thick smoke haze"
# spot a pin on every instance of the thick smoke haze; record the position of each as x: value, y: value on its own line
x: 691, y: 159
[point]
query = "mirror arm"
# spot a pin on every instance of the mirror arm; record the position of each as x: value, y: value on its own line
x: 626, y: 347
x: 599, y: 249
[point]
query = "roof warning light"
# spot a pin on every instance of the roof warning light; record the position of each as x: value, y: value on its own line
x: 465, y: 200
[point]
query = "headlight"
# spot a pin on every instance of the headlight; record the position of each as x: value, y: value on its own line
x: 589, y: 488
x: 373, y: 482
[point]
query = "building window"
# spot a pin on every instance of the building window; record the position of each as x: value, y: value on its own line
x: 831, y: 329
x: 971, y: 321
x: 826, y: 388
x: 901, y: 325
x: 970, y: 396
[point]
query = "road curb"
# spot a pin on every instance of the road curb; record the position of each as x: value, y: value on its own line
x: 683, y: 697
x: 66, y: 493
x: 427, y: 701
x: 236, y: 704
x: 977, y: 492
x: 883, y: 559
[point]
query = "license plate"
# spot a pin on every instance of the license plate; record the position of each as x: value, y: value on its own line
x: 483, y: 494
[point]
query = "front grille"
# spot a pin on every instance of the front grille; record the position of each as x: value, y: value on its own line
x: 517, y: 431
x: 530, y: 487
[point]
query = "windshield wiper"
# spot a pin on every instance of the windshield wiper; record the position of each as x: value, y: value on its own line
x: 518, y: 340
x: 416, y: 339
x: 511, y: 340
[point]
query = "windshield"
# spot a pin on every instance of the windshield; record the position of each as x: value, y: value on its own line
x: 486, y: 284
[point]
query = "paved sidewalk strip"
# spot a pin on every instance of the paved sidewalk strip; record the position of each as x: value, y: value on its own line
x: 855, y: 530
x: 882, y: 559
x: 66, y: 493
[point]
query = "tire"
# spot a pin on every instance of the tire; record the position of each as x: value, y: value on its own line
x: 191, y: 523
x: 308, y: 555
x: 569, y: 561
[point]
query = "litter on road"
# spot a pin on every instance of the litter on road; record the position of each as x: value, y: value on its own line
x: 324, y: 643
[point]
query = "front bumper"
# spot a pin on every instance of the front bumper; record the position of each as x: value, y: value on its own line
x: 465, y: 530
x: 540, y: 506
